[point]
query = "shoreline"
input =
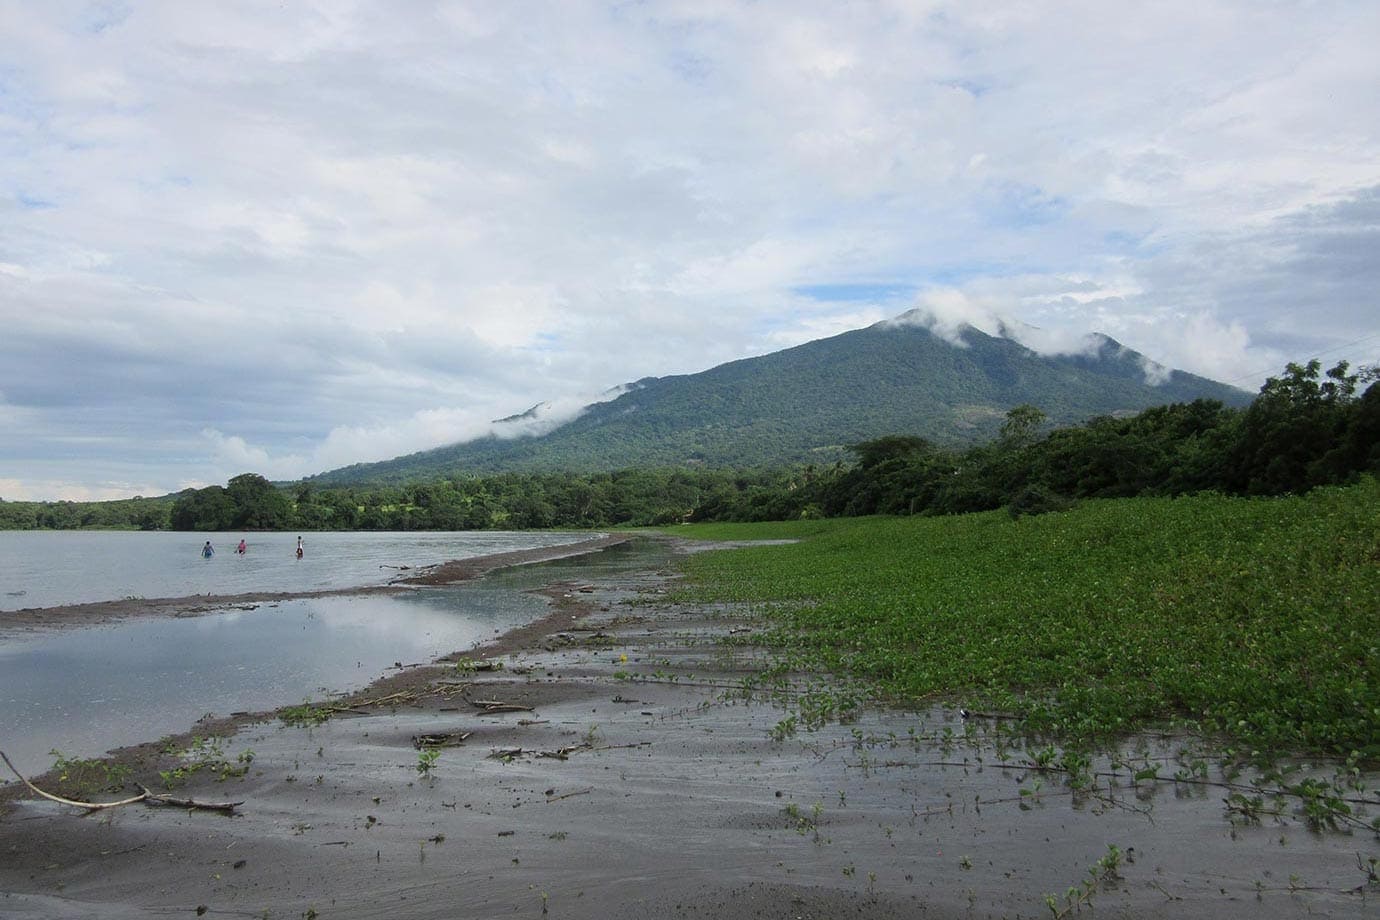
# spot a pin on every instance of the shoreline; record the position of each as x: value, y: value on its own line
x: 98, y: 613
x: 629, y: 772
x: 561, y: 615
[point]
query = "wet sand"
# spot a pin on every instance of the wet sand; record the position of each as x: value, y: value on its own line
x: 640, y: 781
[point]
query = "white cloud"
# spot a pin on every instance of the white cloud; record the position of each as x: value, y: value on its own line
x: 20, y: 490
x: 1050, y: 316
x: 339, y: 232
x: 346, y: 444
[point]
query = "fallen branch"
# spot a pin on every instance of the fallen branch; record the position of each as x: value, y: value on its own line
x: 89, y: 806
x: 500, y: 706
x: 150, y: 798
x: 144, y: 796
x: 439, y: 739
x: 563, y: 753
x: 408, y: 696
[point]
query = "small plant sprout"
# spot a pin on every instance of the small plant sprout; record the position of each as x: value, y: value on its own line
x: 426, y: 760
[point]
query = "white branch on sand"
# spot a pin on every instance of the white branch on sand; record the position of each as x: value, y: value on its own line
x: 144, y: 796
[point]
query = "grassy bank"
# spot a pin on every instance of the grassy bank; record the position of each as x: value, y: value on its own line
x: 1257, y: 618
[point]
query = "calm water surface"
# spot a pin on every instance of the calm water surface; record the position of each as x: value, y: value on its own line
x: 84, y: 691
x: 51, y: 568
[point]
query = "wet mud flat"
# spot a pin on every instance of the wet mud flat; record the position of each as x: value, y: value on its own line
x: 614, y: 767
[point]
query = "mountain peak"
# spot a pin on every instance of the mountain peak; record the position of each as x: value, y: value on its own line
x: 951, y: 383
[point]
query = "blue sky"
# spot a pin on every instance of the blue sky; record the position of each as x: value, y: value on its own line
x: 287, y: 237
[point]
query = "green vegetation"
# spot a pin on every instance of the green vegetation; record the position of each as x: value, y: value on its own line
x: 126, y: 514
x: 83, y: 777
x: 205, y: 754
x: 1104, y: 870
x: 1302, y: 431
x: 304, y: 715
x: 1258, y: 618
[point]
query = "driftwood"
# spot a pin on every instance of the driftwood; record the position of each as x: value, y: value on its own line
x: 153, y: 798
x: 499, y: 706
x: 563, y: 753
x: 145, y: 796
x: 439, y: 739
x: 558, y: 754
x: 401, y: 696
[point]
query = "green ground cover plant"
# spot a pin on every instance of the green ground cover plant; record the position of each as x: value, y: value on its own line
x: 78, y: 776
x: 1253, y: 618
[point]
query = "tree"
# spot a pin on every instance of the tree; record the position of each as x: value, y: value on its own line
x: 257, y: 504
x: 1292, y: 425
x: 1022, y: 425
x: 203, y: 509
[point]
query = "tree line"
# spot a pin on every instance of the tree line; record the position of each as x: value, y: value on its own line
x: 1305, y: 428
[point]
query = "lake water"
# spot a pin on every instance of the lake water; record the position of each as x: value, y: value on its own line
x: 52, y: 568
x: 86, y: 690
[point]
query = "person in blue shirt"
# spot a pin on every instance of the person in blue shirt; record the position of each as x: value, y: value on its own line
x: 208, y: 550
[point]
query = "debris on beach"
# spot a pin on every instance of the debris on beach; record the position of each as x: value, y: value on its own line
x: 439, y: 739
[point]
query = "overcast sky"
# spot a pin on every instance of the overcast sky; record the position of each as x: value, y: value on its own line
x: 284, y: 237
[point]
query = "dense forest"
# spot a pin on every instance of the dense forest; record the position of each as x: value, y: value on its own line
x: 1305, y: 428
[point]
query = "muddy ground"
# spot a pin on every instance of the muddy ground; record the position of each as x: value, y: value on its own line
x: 628, y: 776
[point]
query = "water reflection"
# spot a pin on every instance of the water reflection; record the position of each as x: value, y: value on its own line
x: 85, y: 691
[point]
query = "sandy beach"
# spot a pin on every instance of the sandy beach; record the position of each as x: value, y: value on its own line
x: 606, y: 762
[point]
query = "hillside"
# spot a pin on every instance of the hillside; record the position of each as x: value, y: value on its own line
x: 806, y: 404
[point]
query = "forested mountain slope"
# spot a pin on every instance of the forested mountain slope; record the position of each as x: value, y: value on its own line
x: 805, y: 404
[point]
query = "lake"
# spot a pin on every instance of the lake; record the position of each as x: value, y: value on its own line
x: 52, y: 568
x: 86, y: 690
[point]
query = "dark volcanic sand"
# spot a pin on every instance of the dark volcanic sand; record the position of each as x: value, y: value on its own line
x: 672, y: 800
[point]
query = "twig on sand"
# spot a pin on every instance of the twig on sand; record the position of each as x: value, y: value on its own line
x: 558, y: 754
x: 150, y: 798
x: 563, y: 753
x: 439, y: 739
x: 500, y: 706
x: 401, y: 696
